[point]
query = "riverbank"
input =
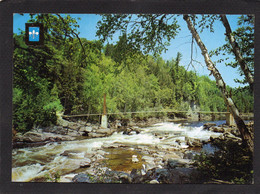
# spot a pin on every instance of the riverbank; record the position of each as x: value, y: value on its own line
x: 160, y: 153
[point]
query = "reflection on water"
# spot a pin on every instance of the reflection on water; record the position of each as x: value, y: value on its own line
x: 29, y: 163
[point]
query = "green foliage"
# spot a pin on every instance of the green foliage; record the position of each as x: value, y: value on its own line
x: 71, y: 74
x: 52, y: 178
x: 35, y: 110
x: 231, y: 162
x: 140, y: 29
x: 244, y: 36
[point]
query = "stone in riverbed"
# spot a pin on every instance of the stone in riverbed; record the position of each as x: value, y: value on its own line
x: 170, y: 156
x: 95, y: 135
x: 74, y: 126
x: 85, y: 129
x: 154, y: 182
x: 173, y: 163
x: 82, y: 178
x: 106, y: 131
x: 193, y: 142
x: 85, y: 163
x: 217, y: 129
x: 33, y: 137
x: 135, y: 159
x: 208, y: 125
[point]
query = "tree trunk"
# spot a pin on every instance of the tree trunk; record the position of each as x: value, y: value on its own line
x: 246, y: 136
x: 236, y: 51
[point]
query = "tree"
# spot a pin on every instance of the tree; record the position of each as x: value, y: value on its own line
x: 246, y: 136
x: 144, y: 33
x: 236, y: 50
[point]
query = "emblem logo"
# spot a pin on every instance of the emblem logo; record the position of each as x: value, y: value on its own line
x: 34, y: 34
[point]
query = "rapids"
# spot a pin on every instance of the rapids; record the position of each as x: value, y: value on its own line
x: 36, y: 162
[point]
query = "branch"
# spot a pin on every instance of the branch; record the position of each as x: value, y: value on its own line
x: 236, y: 51
x: 73, y: 33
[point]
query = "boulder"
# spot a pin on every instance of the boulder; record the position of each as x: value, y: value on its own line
x: 148, y: 159
x: 95, y: 135
x: 154, y: 182
x: 113, y: 176
x: 188, y: 155
x: 62, y: 122
x: 193, y: 142
x: 136, y: 176
x: 208, y: 125
x: 74, y: 126
x: 73, y: 133
x: 74, y: 154
x: 85, y: 129
x: 33, y: 137
x: 82, y: 178
x: 85, y: 163
x: 217, y: 129
x: 101, y: 152
x: 173, y: 163
x: 135, y: 159
x: 162, y: 175
x: 106, y: 131
x: 170, y: 156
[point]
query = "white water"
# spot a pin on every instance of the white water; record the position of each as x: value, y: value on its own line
x: 29, y: 163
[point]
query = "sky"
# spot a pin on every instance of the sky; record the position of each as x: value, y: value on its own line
x: 181, y: 43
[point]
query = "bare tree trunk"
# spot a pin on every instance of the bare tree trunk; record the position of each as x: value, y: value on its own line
x: 246, y: 136
x: 236, y: 51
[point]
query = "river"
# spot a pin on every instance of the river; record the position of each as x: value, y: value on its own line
x: 117, y: 150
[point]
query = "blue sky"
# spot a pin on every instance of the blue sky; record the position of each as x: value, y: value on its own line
x: 182, y: 42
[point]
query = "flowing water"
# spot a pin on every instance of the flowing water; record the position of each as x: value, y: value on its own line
x: 30, y: 163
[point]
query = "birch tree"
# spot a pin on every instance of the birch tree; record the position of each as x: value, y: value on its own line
x: 236, y: 50
x: 246, y: 136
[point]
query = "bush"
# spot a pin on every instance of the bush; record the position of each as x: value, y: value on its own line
x: 232, y: 162
x: 31, y: 110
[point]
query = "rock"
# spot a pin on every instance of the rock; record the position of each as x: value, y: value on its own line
x: 66, y: 138
x: 208, y: 125
x: 149, y: 166
x: 134, y: 158
x: 188, y: 155
x: 192, y: 142
x: 228, y: 135
x: 124, y: 177
x: 81, y: 122
x: 217, y: 129
x: 68, y: 152
x: 62, y: 122
x: 148, y: 159
x: 80, y: 178
x: 33, y: 137
x: 154, y: 182
x: 101, y: 152
x: 86, y: 163
x: 73, y: 133
x: 98, y: 157
x: 74, y: 126
x: 113, y: 176
x: 162, y: 175
x: 106, y: 131
x: 170, y: 156
x: 85, y: 129
x: 173, y: 163
x: 95, y: 135
x: 212, y: 137
x: 136, y: 176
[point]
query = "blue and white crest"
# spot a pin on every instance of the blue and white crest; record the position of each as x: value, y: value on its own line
x: 34, y: 34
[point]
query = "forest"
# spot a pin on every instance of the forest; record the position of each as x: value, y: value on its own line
x: 70, y: 74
